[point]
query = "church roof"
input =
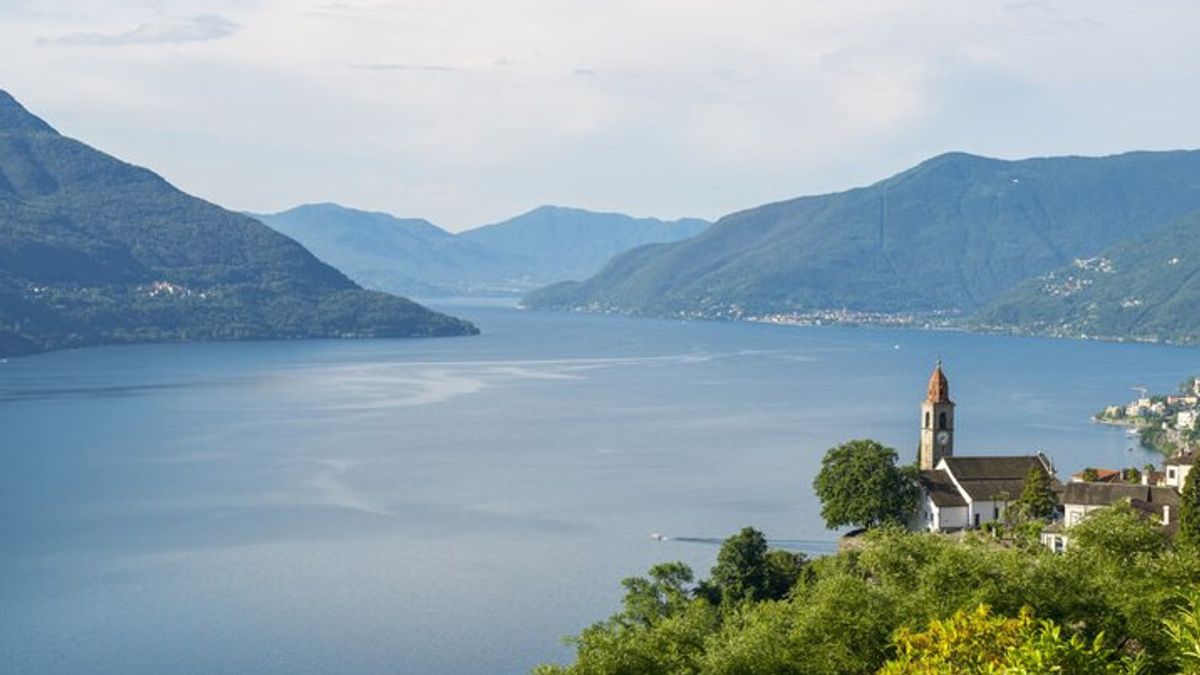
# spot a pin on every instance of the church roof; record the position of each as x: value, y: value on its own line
x: 941, y: 488
x: 939, y: 386
x: 986, y: 478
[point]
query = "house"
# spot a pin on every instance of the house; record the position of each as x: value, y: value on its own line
x: 1178, y: 467
x: 962, y: 492
x: 1081, y: 498
x: 1186, y: 419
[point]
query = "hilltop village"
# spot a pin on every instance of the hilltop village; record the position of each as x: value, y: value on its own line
x: 959, y: 492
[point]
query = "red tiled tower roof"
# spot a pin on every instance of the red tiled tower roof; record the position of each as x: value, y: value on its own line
x: 939, y: 386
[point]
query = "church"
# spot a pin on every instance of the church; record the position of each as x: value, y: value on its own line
x: 962, y: 492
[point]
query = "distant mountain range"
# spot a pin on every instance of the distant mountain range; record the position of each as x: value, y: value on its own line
x: 415, y: 257
x: 948, y: 237
x: 94, y: 250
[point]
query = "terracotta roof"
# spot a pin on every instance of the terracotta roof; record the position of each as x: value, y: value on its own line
x: 941, y: 489
x: 1104, y: 494
x: 939, y: 386
x: 1102, y: 475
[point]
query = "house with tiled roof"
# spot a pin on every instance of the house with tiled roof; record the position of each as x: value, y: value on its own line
x: 1081, y: 498
x: 960, y: 492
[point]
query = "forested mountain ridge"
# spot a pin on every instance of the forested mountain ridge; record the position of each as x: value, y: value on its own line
x: 95, y: 250
x: 1141, y: 289
x: 948, y: 236
x: 415, y: 257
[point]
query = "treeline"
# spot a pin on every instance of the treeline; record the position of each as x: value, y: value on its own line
x: 1122, y: 599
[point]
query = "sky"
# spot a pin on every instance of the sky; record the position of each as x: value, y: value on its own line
x: 470, y: 112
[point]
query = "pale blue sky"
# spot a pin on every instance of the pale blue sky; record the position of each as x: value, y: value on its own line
x: 470, y: 112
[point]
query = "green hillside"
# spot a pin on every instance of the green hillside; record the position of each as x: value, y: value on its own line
x: 1142, y: 289
x: 94, y: 250
x: 948, y: 235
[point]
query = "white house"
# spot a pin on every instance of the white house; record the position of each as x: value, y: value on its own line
x: 1178, y: 467
x: 1186, y: 419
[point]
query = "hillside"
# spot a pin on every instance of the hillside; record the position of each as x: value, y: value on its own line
x: 947, y: 236
x: 1142, y: 289
x: 555, y: 243
x: 94, y: 250
x: 415, y: 257
x: 381, y: 251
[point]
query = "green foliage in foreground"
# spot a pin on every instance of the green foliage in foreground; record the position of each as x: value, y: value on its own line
x: 1189, y: 510
x: 1120, y: 600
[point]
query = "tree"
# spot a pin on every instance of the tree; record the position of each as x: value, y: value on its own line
x: 1090, y: 475
x: 1131, y: 475
x: 859, y: 484
x: 1118, y: 533
x: 1189, y: 510
x: 980, y: 642
x: 1184, y: 631
x: 1037, y: 499
x: 663, y: 594
x: 741, y: 569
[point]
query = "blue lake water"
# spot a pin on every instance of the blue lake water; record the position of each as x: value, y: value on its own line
x: 459, y: 505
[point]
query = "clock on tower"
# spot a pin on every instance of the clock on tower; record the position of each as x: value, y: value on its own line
x: 937, y: 421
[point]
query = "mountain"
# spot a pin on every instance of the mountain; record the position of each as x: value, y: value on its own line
x: 402, y: 255
x: 94, y: 250
x: 947, y: 236
x: 1142, y: 289
x: 554, y: 243
x: 415, y: 257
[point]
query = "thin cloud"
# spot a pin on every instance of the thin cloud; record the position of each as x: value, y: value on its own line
x: 194, y: 29
x: 427, y: 67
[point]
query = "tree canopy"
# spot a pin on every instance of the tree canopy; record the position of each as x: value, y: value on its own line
x: 1189, y: 510
x: 1117, y: 601
x: 1037, y: 495
x: 860, y: 485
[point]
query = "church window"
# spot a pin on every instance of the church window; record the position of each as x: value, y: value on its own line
x: 941, y: 420
x: 928, y: 421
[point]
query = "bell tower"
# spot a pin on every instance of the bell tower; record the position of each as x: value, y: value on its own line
x: 937, y: 421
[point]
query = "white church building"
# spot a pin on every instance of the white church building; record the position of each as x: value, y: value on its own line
x: 963, y: 492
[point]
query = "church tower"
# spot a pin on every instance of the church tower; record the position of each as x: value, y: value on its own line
x: 937, y: 421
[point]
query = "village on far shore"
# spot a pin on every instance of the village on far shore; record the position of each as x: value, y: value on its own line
x: 1167, y: 423
x: 959, y: 493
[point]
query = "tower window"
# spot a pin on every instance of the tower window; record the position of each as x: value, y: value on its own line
x: 928, y: 421
x: 941, y: 420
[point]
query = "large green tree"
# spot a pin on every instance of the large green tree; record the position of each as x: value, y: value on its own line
x: 860, y: 484
x: 1189, y: 510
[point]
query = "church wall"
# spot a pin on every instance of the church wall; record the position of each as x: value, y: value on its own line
x: 952, y: 517
x: 988, y: 511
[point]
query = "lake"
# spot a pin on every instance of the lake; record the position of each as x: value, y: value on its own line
x: 459, y: 505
